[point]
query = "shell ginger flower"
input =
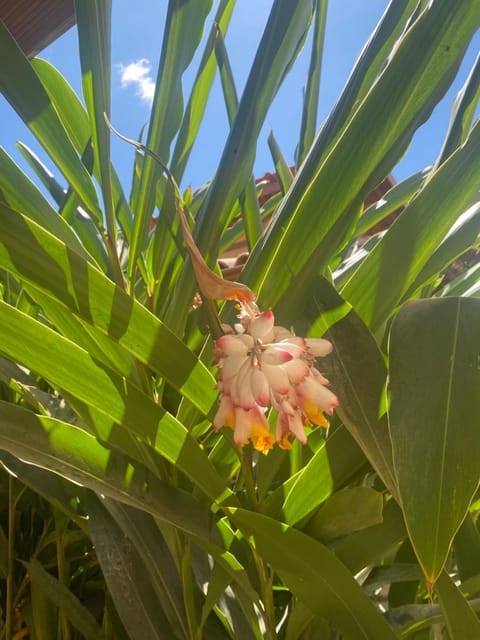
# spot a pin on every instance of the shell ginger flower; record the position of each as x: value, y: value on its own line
x: 260, y: 364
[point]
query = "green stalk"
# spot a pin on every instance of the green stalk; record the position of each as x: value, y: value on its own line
x: 10, y: 561
x: 188, y: 595
x: 63, y: 576
x: 264, y: 576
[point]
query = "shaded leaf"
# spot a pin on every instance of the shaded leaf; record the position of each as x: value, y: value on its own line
x: 434, y: 414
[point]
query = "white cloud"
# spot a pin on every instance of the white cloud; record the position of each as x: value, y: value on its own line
x: 138, y: 74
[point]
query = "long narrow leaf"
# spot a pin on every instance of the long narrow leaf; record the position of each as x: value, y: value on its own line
x: 403, y: 251
x: 79, y: 616
x: 21, y: 86
x: 284, y: 33
x: 70, y: 368
x: 328, y: 191
x: 308, y: 125
x: 315, y: 576
x: 183, y: 31
x: 31, y: 254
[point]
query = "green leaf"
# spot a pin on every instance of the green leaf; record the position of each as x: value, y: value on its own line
x: 461, y: 237
x: 315, y: 576
x: 308, y: 125
x: 75, y: 120
x: 392, y: 266
x: 70, y: 368
x: 332, y: 465
x: 182, y: 34
x: 78, y: 456
x: 345, y: 512
x: 248, y: 198
x: 156, y: 560
x: 79, y: 220
x: 197, y: 101
x: 396, y: 197
x: 356, y: 367
x: 31, y: 254
x: 285, y: 177
x: 125, y: 574
x: 19, y: 193
x: 467, y: 549
x: 463, y: 112
x: 329, y: 188
x: 94, y: 37
x: 22, y: 88
x: 434, y: 414
x: 284, y: 33
x: 79, y: 616
x: 462, y: 621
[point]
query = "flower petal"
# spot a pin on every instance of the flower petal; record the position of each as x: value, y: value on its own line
x: 260, y: 387
x: 247, y: 423
x: 277, y: 379
x: 225, y: 415
x: 262, y: 324
x: 296, y: 369
x: 231, y: 345
x: 274, y: 356
x: 241, y: 386
x: 319, y: 347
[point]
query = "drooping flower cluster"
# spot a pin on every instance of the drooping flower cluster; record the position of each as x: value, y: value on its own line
x: 260, y: 364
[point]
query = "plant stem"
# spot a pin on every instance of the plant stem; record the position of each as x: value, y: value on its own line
x: 264, y: 576
x: 188, y: 595
x: 10, y: 561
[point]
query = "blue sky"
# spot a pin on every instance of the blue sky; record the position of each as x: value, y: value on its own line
x: 136, y: 41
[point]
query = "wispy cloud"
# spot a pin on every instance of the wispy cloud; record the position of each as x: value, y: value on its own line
x: 138, y: 74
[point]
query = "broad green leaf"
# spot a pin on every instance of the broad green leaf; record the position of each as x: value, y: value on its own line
x: 97, y: 344
x: 43, y: 614
x: 78, y: 456
x: 328, y: 190
x: 22, y: 88
x: 332, y: 465
x: 70, y: 368
x: 462, y: 621
x: 182, y: 34
x: 355, y: 368
x: 19, y: 193
x: 284, y: 33
x: 434, y: 414
x: 158, y: 565
x: 62, y: 494
x: 315, y: 576
x: 308, y: 124
x: 462, y: 284
x: 391, y: 267
x: 78, y: 615
x: 345, y: 512
x: 125, y: 574
x: 35, y: 256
